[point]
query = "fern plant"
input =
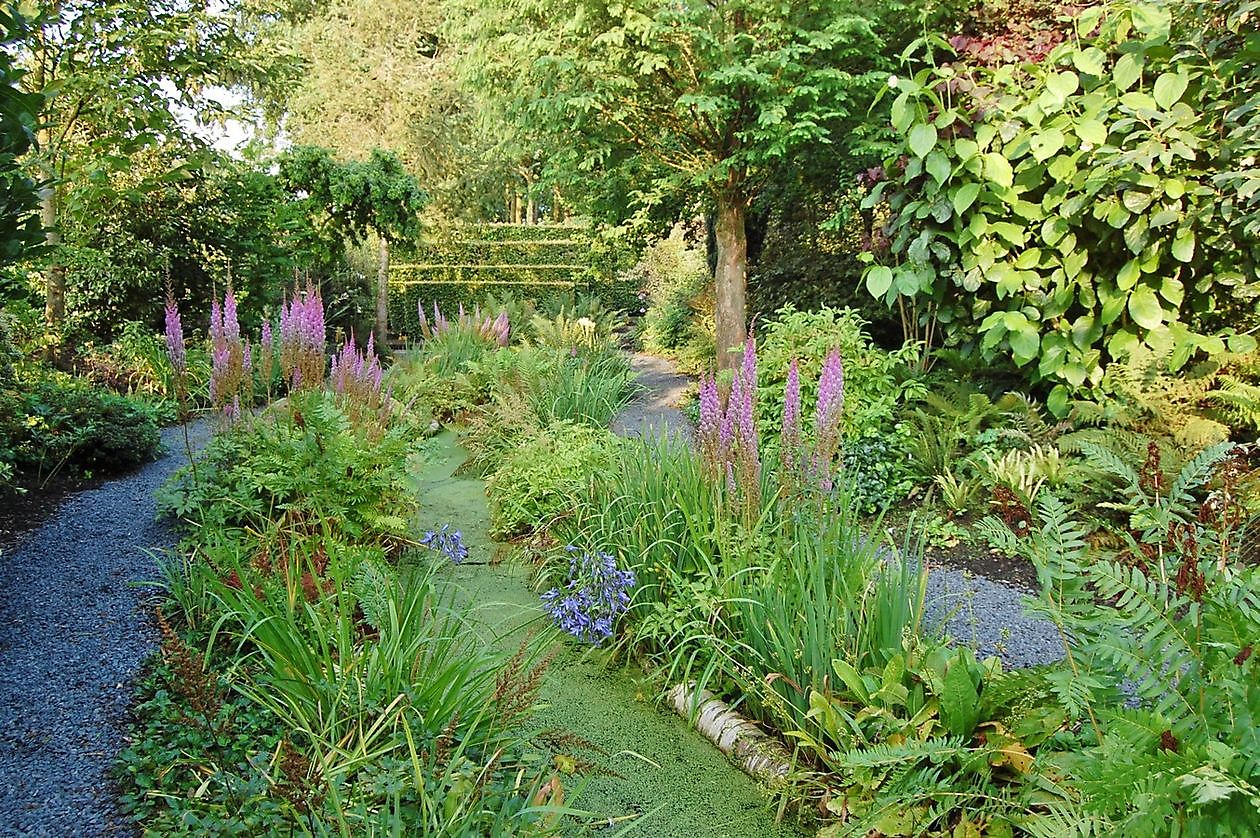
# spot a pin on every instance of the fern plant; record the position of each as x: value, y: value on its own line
x: 1172, y: 617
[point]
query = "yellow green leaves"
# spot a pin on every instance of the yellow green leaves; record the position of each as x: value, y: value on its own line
x: 1169, y: 88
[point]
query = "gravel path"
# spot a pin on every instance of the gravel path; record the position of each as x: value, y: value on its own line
x: 989, y: 616
x: 654, y: 411
x: 73, y: 634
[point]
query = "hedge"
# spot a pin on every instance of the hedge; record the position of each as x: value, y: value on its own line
x: 467, y: 263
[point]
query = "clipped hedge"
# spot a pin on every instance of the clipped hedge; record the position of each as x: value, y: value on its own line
x: 404, y: 300
x: 467, y: 263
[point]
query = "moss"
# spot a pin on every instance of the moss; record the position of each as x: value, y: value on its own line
x: 652, y: 765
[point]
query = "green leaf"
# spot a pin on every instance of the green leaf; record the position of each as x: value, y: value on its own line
x: 1169, y: 88
x: 1172, y: 290
x: 1057, y: 401
x: 1092, y: 131
x: 960, y: 703
x: 1241, y: 344
x: 1144, y: 308
x: 965, y: 196
x: 1046, y: 144
x: 902, y: 113
x: 937, y: 165
x: 1062, y: 85
x: 1127, y: 71
x: 1183, y: 245
x: 878, y: 280
x: 1129, y: 274
x: 922, y: 139
x: 1089, y: 61
x: 1025, y: 343
x: 998, y: 169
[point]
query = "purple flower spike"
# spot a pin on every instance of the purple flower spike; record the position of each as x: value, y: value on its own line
x: 175, y: 348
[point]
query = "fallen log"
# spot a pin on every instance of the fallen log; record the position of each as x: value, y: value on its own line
x: 756, y: 753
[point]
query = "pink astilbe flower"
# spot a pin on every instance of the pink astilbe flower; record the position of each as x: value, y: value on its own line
x: 496, y: 330
x: 229, y: 366
x: 710, y: 422
x: 744, y: 401
x: 827, y: 417
x: 175, y: 349
x: 302, y: 338
x: 357, y: 377
x: 790, y: 450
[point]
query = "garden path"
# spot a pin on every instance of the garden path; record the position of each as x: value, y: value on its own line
x: 653, y: 765
x: 73, y: 633
x: 654, y: 409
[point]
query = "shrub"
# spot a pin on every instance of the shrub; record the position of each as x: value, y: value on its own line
x: 56, y: 422
x: 546, y: 477
x: 875, y: 381
x: 1063, y: 210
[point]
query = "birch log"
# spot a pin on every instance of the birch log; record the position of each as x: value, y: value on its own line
x: 757, y: 754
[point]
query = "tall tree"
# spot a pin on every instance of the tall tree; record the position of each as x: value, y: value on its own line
x: 698, y: 96
x: 117, y: 70
x: 357, y: 197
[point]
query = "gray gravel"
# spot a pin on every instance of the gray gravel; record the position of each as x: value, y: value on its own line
x: 989, y: 616
x: 654, y: 410
x: 73, y: 633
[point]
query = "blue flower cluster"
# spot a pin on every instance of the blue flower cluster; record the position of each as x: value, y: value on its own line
x: 450, y: 544
x: 597, y: 593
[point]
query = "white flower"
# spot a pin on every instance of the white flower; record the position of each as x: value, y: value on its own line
x: 586, y: 323
x: 1087, y: 146
x: 892, y: 82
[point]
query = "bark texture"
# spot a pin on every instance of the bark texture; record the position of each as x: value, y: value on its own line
x: 382, y: 296
x: 757, y: 754
x: 730, y: 276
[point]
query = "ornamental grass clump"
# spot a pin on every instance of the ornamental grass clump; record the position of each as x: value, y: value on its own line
x: 229, y: 359
x: 302, y: 339
x: 596, y: 594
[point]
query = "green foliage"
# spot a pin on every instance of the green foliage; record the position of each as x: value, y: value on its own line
x: 301, y: 461
x: 674, y: 277
x: 545, y: 477
x: 1061, y: 213
x: 50, y: 422
x: 875, y: 381
x: 1174, y: 613
x: 19, y: 114
x: 355, y: 197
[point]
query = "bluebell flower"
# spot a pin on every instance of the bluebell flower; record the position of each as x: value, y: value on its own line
x: 449, y: 544
x: 596, y: 593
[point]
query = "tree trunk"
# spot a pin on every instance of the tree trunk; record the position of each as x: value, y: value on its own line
x: 382, y: 297
x: 55, y: 290
x: 730, y: 275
